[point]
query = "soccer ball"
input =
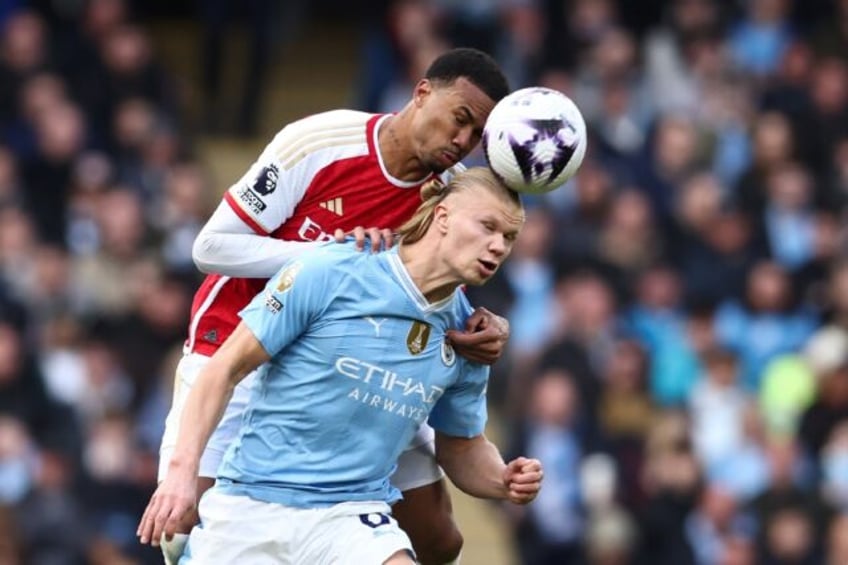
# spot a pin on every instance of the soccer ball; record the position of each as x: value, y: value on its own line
x: 534, y: 140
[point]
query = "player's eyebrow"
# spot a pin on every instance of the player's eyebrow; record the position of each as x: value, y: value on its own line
x: 467, y: 113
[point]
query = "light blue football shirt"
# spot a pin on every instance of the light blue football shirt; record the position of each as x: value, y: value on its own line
x: 359, y: 361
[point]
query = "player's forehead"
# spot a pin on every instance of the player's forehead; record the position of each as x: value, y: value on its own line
x: 482, y: 203
x: 462, y: 95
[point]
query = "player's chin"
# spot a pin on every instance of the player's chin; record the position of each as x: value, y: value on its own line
x: 441, y: 163
x: 437, y: 169
x: 477, y: 279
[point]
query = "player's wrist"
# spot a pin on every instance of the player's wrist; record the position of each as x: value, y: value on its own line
x: 503, y: 492
x: 184, y: 465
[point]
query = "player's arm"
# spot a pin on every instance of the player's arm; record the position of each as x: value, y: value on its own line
x: 228, y: 245
x: 236, y: 240
x: 476, y: 467
x: 470, y: 460
x: 240, y: 354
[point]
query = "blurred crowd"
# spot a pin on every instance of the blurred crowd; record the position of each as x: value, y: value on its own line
x: 101, y: 197
x: 679, y: 311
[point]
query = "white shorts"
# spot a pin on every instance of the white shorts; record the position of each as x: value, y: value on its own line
x: 416, y: 466
x: 187, y: 371
x: 238, y: 529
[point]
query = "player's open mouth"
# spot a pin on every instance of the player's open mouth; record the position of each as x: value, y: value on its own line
x: 489, y: 267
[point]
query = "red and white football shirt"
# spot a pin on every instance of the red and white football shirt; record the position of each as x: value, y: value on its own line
x: 318, y: 174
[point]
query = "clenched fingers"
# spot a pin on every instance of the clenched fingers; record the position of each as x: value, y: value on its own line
x: 523, y: 478
x: 485, y: 344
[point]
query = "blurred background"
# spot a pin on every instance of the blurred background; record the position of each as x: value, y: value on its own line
x: 679, y: 311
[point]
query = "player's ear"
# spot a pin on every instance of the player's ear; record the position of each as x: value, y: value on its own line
x: 421, y: 91
x: 440, y: 218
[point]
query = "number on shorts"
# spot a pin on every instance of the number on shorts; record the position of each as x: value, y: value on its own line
x: 374, y: 519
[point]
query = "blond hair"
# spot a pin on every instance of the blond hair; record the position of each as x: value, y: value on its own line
x: 435, y: 191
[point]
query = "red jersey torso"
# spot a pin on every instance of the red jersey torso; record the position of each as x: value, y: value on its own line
x: 317, y: 175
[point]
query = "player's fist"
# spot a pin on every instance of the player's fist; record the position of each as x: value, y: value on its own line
x: 523, y: 480
x: 379, y: 238
x: 484, y: 338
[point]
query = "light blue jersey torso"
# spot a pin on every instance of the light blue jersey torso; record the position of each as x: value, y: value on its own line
x: 359, y: 361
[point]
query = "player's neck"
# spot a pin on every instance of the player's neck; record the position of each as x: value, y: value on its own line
x: 430, y: 276
x: 396, y: 151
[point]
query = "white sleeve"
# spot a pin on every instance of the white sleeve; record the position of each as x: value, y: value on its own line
x: 236, y: 240
x: 228, y: 246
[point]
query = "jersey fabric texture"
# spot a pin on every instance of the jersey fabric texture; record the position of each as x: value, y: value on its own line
x: 359, y: 361
x: 318, y: 174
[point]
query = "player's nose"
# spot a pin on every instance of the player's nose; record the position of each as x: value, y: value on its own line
x: 463, y: 140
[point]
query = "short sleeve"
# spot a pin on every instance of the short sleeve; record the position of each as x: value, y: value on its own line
x: 291, y: 301
x: 461, y: 410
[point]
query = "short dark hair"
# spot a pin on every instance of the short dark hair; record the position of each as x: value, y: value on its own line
x: 478, y: 67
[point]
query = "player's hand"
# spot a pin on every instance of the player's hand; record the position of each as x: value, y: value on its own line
x: 483, y: 339
x: 379, y: 238
x: 173, y: 499
x: 523, y: 480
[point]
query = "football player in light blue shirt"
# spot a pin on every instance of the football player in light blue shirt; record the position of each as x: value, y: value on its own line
x: 355, y: 359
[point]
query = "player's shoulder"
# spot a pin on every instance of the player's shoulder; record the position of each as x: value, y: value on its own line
x: 344, y: 131
x: 331, y: 120
x: 334, y: 255
x: 317, y: 265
